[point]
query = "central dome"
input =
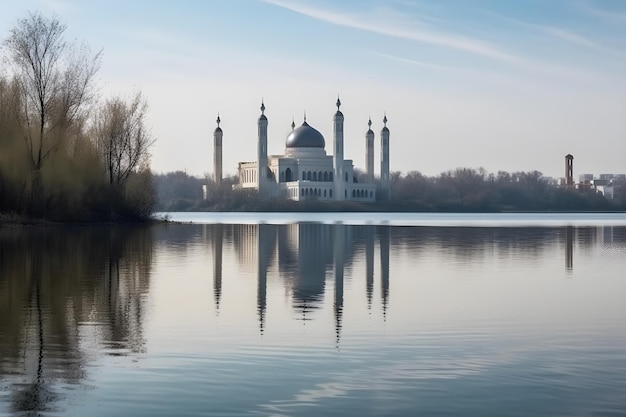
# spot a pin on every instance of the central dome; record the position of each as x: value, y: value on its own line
x: 305, y: 137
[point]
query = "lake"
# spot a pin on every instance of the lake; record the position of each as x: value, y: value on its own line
x: 274, y: 314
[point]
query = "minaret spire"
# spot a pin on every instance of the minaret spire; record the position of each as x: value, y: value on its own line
x: 293, y: 124
x: 338, y: 162
x: 369, y: 151
x: 384, y: 159
x: 217, y: 152
x: 261, y: 168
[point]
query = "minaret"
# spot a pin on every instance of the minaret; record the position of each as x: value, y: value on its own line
x: 262, y: 150
x: 369, y: 152
x: 217, y: 152
x: 339, y: 179
x: 384, y: 159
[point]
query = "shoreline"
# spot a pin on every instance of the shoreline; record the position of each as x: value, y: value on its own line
x: 18, y: 221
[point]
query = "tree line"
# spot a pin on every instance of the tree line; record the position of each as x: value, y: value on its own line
x: 458, y: 190
x: 65, y: 153
x: 470, y: 189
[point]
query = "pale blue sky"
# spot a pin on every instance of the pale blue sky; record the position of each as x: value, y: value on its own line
x: 506, y: 85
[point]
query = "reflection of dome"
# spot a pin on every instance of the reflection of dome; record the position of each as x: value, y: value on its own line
x: 305, y: 137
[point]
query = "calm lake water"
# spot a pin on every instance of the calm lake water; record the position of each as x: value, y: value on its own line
x: 317, y: 315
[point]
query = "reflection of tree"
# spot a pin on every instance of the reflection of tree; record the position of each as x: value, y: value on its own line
x: 52, y: 282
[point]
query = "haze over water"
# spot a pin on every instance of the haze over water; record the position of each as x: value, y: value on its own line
x: 304, y: 315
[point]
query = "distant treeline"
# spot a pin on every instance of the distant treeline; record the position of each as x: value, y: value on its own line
x: 459, y: 190
x: 65, y: 154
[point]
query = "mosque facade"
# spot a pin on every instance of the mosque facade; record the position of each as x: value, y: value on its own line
x: 305, y: 171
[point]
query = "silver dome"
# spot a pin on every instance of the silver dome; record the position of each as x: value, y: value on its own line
x: 305, y: 136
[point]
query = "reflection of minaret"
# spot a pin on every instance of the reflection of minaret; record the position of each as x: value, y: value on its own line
x: 218, y: 237
x: 369, y: 263
x: 339, y: 239
x: 384, y: 267
x: 265, y: 247
x: 569, y: 248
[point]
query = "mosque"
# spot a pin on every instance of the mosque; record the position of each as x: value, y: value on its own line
x: 305, y: 171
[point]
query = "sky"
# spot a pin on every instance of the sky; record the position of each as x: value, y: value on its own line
x: 503, y: 85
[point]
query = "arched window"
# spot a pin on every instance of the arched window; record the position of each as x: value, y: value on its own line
x: 319, y: 176
x: 288, y: 175
x: 314, y: 176
x: 330, y: 176
x: 282, y: 176
x: 346, y: 177
x: 353, y: 193
x: 303, y: 176
x: 324, y: 193
x: 330, y: 193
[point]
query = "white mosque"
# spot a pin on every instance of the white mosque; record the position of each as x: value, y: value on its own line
x: 305, y: 171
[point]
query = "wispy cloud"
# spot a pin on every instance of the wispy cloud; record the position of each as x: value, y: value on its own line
x: 401, y: 30
x: 421, y: 64
x: 610, y: 16
x: 392, y: 23
x: 557, y: 33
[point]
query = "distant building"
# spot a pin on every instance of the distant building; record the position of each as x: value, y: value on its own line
x: 569, y: 170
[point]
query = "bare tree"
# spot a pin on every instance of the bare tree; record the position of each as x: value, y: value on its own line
x: 466, y: 181
x: 122, y: 139
x: 55, y: 80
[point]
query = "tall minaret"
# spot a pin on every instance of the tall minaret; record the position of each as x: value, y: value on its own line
x: 384, y: 159
x: 339, y: 180
x: 369, y: 152
x: 217, y: 152
x: 262, y: 149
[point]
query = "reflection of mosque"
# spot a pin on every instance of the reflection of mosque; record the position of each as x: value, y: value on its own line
x: 308, y: 257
